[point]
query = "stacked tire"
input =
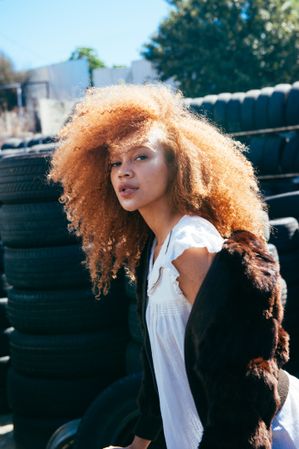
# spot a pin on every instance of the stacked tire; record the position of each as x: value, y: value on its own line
x: 285, y: 236
x: 257, y: 109
x: 66, y: 346
x: 5, y: 330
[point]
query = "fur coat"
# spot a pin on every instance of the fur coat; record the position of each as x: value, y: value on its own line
x: 234, y: 348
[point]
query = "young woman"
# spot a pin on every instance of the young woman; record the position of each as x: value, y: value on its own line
x: 162, y: 192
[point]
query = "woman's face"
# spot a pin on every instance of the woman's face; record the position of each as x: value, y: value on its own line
x: 140, y: 176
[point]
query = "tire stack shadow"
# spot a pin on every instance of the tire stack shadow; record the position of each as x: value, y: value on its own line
x: 65, y: 346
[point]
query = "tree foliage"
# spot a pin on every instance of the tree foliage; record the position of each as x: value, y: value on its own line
x: 94, y: 62
x: 211, y: 46
x: 8, y: 75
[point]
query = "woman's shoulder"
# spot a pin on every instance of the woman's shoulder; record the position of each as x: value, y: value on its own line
x: 193, y: 231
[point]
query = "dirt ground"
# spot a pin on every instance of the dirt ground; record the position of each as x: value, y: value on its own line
x: 6, y: 432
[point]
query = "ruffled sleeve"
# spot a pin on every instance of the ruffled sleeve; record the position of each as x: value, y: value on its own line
x: 193, y: 232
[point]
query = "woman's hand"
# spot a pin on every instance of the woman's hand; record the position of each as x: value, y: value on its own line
x: 137, y: 443
x: 117, y: 447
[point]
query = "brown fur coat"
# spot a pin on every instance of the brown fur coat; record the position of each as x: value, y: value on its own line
x: 234, y: 348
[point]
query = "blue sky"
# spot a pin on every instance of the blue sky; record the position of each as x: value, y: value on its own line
x: 34, y: 33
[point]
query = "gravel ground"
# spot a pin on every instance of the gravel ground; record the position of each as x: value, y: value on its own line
x: 6, y: 432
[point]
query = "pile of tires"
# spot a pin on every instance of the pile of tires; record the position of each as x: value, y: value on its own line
x: 65, y: 347
x: 257, y: 109
x: 37, y: 139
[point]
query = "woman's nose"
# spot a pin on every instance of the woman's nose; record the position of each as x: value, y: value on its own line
x: 125, y: 170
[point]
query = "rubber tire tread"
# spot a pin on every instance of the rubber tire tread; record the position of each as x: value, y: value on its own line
x: 277, y: 105
x: 110, y: 408
x: 5, y: 342
x: 23, y: 178
x: 34, y: 433
x: 4, y: 365
x: 220, y: 109
x: 290, y: 155
x: 4, y: 321
x: 292, y: 107
x: 272, y: 155
x: 261, y: 110
x: 233, y: 115
x: 65, y: 311
x: 284, y: 233
x: 31, y: 225
x: 248, y: 109
x: 289, y: 263
x: 73, y: 355
x: 46, y: 268
x: 283, y: 205
x: 53, y: 398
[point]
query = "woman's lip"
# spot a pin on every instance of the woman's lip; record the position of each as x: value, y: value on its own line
x: 127, y: 192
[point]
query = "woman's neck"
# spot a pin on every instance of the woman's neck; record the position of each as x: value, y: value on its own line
x: 161, y: 223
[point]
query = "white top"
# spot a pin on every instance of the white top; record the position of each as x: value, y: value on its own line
x: 167, y: 314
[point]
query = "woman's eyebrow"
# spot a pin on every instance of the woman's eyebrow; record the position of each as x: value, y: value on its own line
x: 131, y: 150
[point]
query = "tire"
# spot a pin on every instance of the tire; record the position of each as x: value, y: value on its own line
x: 46, y: 268
x: 283, y: 205
x: 133, y: 358
x: 23, y: 178
x: 248, y: 109
x: 273, y: 251
x: 272, y: 155
x: 65, y: 436
x: 32, y: 225
x: 65, y: 356
x: 194, y: 105
x: 53, y: 398
x: 289, y: 158
x: 289, y: 263
x: 4, y: 321
x: 233, y: 115
x: 4, y: 342
x: 65, y: 311
x: 256, y: 152
x: 284, y: 234
x: 34, y: 433
x: 207, y: 106
x: 4, y: 366
x: 115, y: 408
x: 261, y: 110
x: 292, y: 106
x: 220, y: 109
x: 11, y: 143
x: 284, y: 292
x: 277, y: 105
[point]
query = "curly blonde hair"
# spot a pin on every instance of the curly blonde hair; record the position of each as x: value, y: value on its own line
x: 212, y: 178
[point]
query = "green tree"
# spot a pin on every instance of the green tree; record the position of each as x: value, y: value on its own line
x: 211, y: 46
x: 8, y: 75
x: 94, y: 62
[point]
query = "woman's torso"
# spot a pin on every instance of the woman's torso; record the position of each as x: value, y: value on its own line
x: 167, y: 314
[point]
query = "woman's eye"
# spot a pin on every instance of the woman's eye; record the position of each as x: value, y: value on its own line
x: 114, y: 164
x: 141, y: 156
